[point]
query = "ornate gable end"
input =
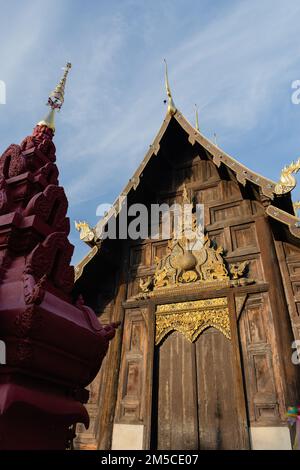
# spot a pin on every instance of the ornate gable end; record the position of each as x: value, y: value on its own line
x: 171, y: 291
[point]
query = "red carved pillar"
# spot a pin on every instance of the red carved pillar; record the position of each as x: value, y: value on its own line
x: 54, y: 347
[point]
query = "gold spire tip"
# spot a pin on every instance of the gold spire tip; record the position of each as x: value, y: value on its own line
x: 56, y: 99
x: 171, y: 105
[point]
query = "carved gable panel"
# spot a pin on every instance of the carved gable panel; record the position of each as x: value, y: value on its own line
x: 243, y: 236
x: 292, y: 252
x: 225, y: 211
x: 210, y: 194
x: 289, y: 256
x: 159, y: 250
x: 230, y: 190
x: 294, y: 270
x: 140, y: 255
x: 132, y: 378
x: 258, y: 360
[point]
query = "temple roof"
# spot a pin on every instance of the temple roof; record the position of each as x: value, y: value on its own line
x: 267, y: 187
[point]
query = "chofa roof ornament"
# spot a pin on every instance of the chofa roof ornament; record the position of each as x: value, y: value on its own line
x: 287, y: 180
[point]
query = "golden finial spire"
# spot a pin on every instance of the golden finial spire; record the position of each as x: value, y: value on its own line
x: 197, y: 118
x: 171, y: 105
x: 56, y: 99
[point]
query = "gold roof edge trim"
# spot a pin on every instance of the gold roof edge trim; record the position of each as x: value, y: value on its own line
x: 78, y: 269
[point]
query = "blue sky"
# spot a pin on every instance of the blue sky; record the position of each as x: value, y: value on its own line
x: 236, y: 59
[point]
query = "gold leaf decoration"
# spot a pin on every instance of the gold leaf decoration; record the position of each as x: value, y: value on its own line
x: 191, y: 318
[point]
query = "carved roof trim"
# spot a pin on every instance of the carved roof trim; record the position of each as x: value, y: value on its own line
x: 243, y: 174
x: 135, y: 179
x: 284, y: 217
x: 78, y: 270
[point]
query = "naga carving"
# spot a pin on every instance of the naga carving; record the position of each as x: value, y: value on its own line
x: 87, y: 234
x: 287, y: 180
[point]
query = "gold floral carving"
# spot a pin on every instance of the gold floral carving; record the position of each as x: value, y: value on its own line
x: 191, y: 318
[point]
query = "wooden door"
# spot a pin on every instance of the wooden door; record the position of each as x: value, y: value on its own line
x: 219, y: 426
x: 177, y: 423
x: 195, y: 406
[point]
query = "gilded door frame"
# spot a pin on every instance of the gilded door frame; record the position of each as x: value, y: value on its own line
x: 237, y: 364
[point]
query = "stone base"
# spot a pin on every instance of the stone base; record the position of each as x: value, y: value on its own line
x: 270, y: 438
x: 127, y: 437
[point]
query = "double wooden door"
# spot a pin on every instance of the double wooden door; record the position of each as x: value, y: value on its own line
x: 195, y: 394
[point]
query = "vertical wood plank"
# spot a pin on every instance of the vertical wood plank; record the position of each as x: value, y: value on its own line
x: 238, y: 375
x: 177, y: 407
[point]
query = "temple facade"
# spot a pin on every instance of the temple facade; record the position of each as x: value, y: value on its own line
x: 203, y: 357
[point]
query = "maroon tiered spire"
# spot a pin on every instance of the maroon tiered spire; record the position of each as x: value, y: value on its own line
x: 54, y: 348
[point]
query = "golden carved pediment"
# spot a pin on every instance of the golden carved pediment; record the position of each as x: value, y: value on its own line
x: 191, y: 318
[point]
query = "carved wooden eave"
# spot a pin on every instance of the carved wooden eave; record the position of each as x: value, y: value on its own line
x: 284, y: 217
x: 78, y: 270
x: 242, y: 173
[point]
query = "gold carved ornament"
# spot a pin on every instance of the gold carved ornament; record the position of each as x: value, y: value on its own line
x: 193, y: 260
x: 204, y: 267
x: 191, y: 318
x: 287, y: 181
x: 87, y: 234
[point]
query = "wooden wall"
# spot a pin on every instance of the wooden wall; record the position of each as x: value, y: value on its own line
x: 126, y: 389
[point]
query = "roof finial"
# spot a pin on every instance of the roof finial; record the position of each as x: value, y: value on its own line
x: 215, y: 139
x: 171, y: 105
x: 197, y: 118
x: 56, y: 99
